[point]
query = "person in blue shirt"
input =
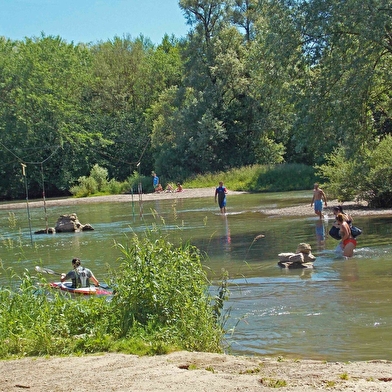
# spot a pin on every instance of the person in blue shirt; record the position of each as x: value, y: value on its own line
x: 220, y: 193
x: 155, y: 180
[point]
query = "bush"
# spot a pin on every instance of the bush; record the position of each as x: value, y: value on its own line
x: 367, y: 177
x: 87, y: 186
x: 161, y: 303
x: 134, y: 180
x: 341, y: 175
x: 97, y: 182
x: 100, y: 175
x: 376, y: 188
x: 163, y: 287
x: 260, y: 178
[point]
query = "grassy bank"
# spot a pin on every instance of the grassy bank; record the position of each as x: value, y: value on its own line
x: 255, y: 178
x: 161, y: 303
x: 259, y: 178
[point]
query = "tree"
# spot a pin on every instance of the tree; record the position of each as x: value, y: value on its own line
x: 129, y: 76
x: 44, y: 83
x: 346, y: 87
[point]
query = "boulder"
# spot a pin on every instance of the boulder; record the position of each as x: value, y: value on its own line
x: 70, y: 223
x: 303, y: 258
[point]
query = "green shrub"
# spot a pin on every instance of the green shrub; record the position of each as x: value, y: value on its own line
x: 162, y: 303
x: 114, y: 187
x: 367, y: 176
x: 342, y: 175
x: 376, y: 187
x: 164, y: 288
x: 134, y: 181
x: 87, y: 186
x: 260, y: 178
x: 100, y: 175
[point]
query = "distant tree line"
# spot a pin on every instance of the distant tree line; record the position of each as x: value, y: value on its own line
x: 254, y: 82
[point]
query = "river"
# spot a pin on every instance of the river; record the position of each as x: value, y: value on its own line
x: 340, y: 310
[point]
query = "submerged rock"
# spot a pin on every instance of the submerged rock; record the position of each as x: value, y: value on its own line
x: 51, y: 230
x: 70, y: 223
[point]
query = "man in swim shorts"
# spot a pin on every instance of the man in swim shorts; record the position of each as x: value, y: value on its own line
x: 317, y: 200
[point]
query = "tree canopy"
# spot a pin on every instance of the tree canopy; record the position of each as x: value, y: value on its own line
x: 254, y: 82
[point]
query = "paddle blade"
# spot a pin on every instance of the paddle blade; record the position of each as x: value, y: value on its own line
x: 46, y: 270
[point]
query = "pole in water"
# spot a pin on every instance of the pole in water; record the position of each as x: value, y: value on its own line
x: 27, y: 200
x: 43, y: 196
x: 140, y: 191
x: 133, y: 206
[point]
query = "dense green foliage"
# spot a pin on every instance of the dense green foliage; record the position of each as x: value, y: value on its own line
x: 253, y: 83
x: 260, y: 178
x: 255, y: 178
x: 161, y: 303
x: 368, y: 176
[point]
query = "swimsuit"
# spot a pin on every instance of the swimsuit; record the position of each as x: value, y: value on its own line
x: 221, y: 192
x: 318, y: 205
x: 348, y: 240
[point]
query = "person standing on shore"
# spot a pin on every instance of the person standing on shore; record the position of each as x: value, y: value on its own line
x: 220, y: 193
x: 155, y: 180
x: 317, y: 200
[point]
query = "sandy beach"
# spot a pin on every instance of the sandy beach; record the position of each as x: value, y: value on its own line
x: 187, y: 371
x: 194, y: 371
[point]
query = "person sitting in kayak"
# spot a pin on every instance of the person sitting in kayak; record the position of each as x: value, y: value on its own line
x: 80, y: 276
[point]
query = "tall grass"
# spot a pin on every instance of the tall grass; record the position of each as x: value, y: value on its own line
x: 256, y: 178
x: 161, y: 303
x: 166, y: 288
x: 260, y: 178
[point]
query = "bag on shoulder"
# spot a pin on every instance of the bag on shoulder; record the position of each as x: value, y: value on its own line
x: 334, y: 233
x: 355, y: 231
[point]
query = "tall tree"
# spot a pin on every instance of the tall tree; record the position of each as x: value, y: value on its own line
x: 345, y: 93
x: 44, y: 81
x: 130, y: 74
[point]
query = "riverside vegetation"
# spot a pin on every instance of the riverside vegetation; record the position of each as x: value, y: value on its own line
x: 254, y: 178
x: 367, y: 178
x: 161, y: 303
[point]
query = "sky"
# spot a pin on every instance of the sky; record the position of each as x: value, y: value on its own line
x: 90, y: 21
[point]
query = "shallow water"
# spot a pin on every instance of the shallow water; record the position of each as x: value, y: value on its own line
x: 341, y: 310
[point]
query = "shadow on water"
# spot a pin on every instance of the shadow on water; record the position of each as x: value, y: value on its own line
x: 340, y: 310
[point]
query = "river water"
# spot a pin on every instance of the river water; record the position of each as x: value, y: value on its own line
x: 340, y: 310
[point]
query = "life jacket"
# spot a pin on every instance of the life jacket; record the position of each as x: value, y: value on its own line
x: 82, y: 279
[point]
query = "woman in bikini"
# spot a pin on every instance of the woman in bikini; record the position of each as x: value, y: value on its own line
x: 348, y: 242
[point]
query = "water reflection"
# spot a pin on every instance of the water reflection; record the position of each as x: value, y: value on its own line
x: 226, y: 239
x: 320, y: 234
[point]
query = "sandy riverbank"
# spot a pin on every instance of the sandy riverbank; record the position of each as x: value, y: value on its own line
x: 302, y: 209
x: 196, y: 372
